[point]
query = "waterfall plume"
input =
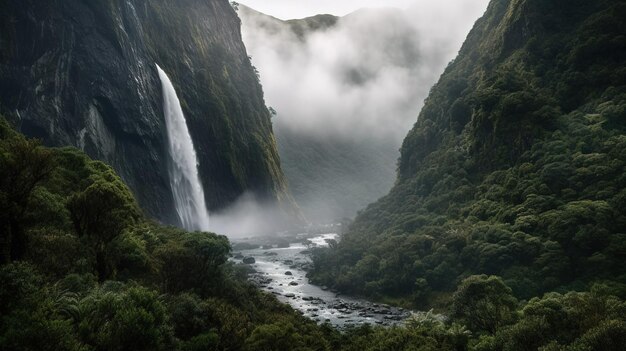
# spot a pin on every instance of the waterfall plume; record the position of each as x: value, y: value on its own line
x: 183, y: 162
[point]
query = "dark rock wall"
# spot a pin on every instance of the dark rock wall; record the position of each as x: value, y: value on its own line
x: 82, y: 73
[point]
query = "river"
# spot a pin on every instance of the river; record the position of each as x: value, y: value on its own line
x: 282, y: 272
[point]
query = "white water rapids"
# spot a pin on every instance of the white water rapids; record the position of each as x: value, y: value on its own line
x: 183, y: 163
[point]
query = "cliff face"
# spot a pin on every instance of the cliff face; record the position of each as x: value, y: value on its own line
x: 514, y: 168
x: 82, y: 73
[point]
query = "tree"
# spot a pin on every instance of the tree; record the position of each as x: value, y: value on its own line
x: 101, y: 213
x: 131, y: 319
x: 193, y: 262
x: 277, y: 336
x: 24, y: 164
x: 484, y: 303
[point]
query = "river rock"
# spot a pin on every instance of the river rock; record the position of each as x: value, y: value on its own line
x: 293, y: 283
x: 288, y: 273
x: 249, y: 260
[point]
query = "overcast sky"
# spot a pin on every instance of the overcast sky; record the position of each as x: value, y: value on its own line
x: 288, y: 9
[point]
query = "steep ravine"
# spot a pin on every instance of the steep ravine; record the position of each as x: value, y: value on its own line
x: 82, y: 73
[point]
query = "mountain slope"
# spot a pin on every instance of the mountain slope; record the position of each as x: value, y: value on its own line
x: 300, y: 27
x: 515, y: 166
x: 82, y: 269
x: 331, y: 178
x: 83, y: 73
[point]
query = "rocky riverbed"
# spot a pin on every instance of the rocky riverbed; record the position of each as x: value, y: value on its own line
x: 282, y: 271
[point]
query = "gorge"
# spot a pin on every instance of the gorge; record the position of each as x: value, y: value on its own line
x: 124, y: 122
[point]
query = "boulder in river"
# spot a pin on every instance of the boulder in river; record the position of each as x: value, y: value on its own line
x: 288, y: 273
x: 293, y: 283
x: 249, y: 260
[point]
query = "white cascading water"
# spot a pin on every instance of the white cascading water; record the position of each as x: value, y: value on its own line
x: 183, y: 165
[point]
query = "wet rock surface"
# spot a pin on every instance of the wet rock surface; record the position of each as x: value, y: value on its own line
x: 318, y: 303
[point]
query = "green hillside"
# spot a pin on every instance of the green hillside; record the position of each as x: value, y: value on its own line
x: 515, y: 167
x: 508, y: 217
x: 81, y: 268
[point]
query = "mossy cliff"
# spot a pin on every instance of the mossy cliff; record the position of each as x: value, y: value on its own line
x: 82, y: 73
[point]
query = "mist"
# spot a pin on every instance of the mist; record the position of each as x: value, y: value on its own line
x: 367, y: 76
x: 249, y: 216
x: 346, y: 91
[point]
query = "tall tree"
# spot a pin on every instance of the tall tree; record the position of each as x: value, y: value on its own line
x: 100, y: 214
x: 23, y: 165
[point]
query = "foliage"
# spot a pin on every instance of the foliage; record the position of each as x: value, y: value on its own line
x: 193, y: 263
x: 484, y: 304
x: 24, y: 164
x: 101, y: 213
x: 510, y: 185
x: 576, y: 321
x: 97, y: 275
x: 514, y: 168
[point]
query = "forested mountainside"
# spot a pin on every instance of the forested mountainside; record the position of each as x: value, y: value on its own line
x: 81, y: 269
x: 82, y: 73
x: 514, y: 168
x: 332, y: 179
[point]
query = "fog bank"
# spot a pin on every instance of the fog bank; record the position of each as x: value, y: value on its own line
x: 367, y: 75
x: 347, y: 90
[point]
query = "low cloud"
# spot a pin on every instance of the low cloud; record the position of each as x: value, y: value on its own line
x: 367, y: 76
x: 346, y: 95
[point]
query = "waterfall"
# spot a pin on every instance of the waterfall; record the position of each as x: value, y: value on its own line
x: 183, y: 162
